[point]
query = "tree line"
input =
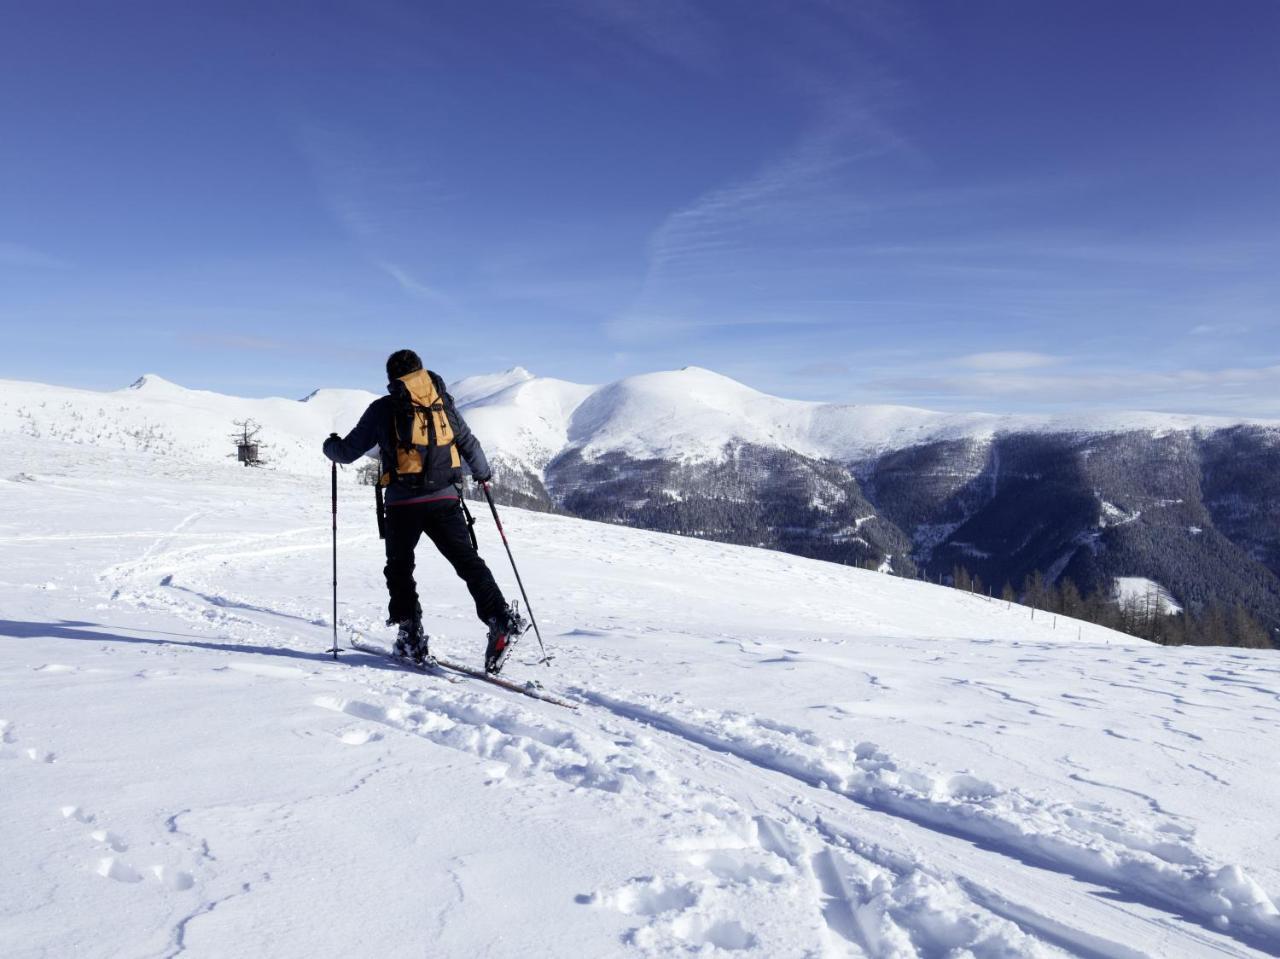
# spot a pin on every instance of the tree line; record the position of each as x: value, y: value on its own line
x: 1144, y: 616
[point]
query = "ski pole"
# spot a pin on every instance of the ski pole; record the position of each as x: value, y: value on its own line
x: 334, y: 486
x: 503, y: 533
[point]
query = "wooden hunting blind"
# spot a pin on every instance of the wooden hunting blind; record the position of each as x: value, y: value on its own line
x: 248, y: 448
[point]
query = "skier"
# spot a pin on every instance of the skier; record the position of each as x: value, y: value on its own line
x: 419, y: 435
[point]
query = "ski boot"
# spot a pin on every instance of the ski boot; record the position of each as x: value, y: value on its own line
x: 411, y: 641
x: 504, y: 630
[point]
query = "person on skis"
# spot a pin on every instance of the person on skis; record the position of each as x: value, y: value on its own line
x: 421, y: 440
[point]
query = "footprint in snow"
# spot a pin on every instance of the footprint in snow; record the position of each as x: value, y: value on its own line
x: 689, y: 914
x: 735, y: 869
x: 727, y: 934
x: 647, y: 896
x: 176, y: 879
x: 117, y: 869
x: 109, y: 839
x: 359, y: 737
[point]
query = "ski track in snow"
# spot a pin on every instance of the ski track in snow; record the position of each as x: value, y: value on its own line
x: 728, y: 852
x: 1158, y: 861
x: 775, y: 837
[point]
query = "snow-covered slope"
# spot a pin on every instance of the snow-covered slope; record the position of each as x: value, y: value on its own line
x: 523, y: 417
x: 157, y: 416
x: 772, y: 756
x: 1143, y: 592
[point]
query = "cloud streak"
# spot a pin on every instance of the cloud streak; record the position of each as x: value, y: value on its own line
x: 1243, y: 390
x: 250, y: 343
x: 747, y: 234
x: 1008, y: 360
x: 25, y: 257
x: 410, y: 284
x: 674, y: 32
x: 362, y: 192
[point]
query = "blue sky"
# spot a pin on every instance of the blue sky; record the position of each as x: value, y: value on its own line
x: 988, y: 205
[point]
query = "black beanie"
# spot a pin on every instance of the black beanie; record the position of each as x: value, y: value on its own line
x: 401, y: 363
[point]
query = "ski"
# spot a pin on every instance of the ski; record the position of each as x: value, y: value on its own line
x: 441, y: 668
x: 364, y: 646
x: 528, y: 689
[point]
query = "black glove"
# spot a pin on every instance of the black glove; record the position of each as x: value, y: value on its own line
x: 328, y: 445
x: 482, y: 478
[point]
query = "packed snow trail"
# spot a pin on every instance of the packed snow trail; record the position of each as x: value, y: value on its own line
x: 773, y: 756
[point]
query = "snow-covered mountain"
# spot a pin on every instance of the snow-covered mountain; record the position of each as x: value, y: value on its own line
x: 1190, y: 503
x: 771, y: 756
x: 692, y: 414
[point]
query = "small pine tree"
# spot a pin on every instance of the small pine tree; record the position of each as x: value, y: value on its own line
x: 1247, y: 631
x: 1034, y: 592
x: 1071, y: 603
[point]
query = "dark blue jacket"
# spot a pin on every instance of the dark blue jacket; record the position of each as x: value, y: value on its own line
x: 375, y: 431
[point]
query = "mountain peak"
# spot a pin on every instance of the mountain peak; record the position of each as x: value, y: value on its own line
x: 150, y: 381
x: 706, y: 383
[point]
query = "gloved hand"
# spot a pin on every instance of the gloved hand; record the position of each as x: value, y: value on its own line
x: 482, y: 478
x: 328, y: 445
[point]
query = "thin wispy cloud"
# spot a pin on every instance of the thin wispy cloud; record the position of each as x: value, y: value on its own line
x: 1219, y: 329
x: 1250, y: 391
x: 823, y: 370
x: 671, y: 31
x: 25, y: 257
x: 411, y: 284
x: 796, y: 191
x: 369, y: 196
x: 749, y: 233
x: 647, y: 327
x: 1007, y: 360
x: 245, y: 343
x: 1010, y: 247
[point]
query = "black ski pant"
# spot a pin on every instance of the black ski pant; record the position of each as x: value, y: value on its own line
x: 445, y: 526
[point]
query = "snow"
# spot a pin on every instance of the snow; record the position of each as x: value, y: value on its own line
x: 1139, y: 588
x: 156, y: 416
x: 689, y: 415
x: 1113, y: 515
x: 772, y: 756
x: 523, y: 418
